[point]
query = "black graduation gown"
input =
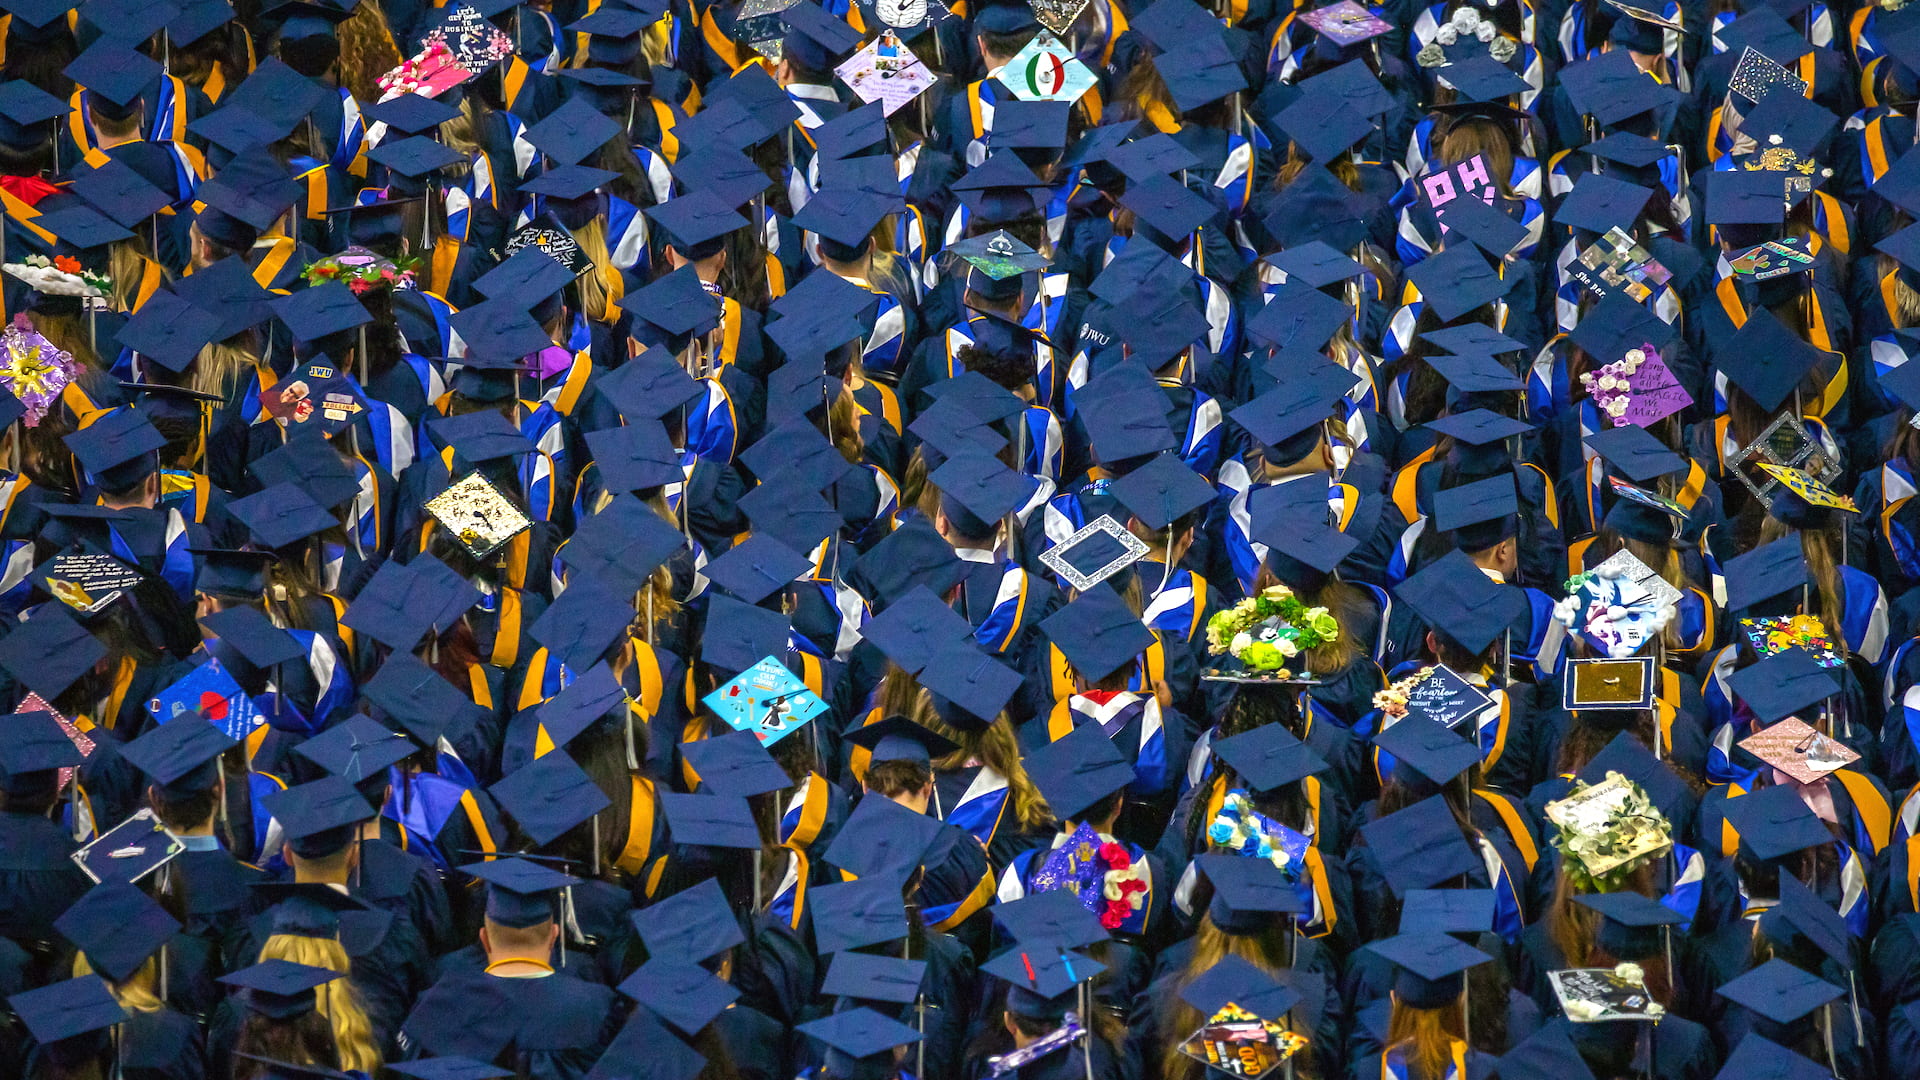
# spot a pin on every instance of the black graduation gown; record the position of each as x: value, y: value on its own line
x: 409, y: 887
x: 38, y: 880
x: 550, y: 1028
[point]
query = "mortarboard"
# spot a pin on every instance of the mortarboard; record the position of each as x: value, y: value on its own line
x: 37, y: 13
x: 1003, y: 171
x: 24, y: 103
x: 788, y: 511
x: 1766, y: 359
x: 1774, y: 822
x: 1779, y: 991
x: 739, y: 635
x: 1323, y: 124
x: 882, y: 838
x: 1738, y: 197
x: 1317, y: 206
x: 571, y: 132
x: 1487, y: 228
x: 480, y: 436
x: 969, y: 687
x: 356, y: 749
x: 1783, y: 684
x: 1269, y: 757
x: 118, y: 927
x: 579, y: 625
x: 1291, y: 519
x: 911, y: 631
x: 710, y: 821
x: 1619, y: 323
x: 1765, y: 572
x: 1611, y: 88
x: 418, y: 698
x: 756, y: 568
x: 319, y: 811
x: 520, y: 892
x: 677, y: 303
x: 1549, y: 1051
x: 1757, y: 1058
x: 118, y: 447
x: 280, y: 989
x: 1097, y: 632
x: 735, y: 765
x: 548, y: 796
x: 1162, y: 491
x: 1631, y: 909
x: 1476, y: 373
x: 1629, y: 149
x: 415, y: 157
x: 1201, y: 72
x: 282, y: 515
x: 410, y: 114
x: 859, y: 1032
x: 1479, y: 427
x: 648, y: 386
x: 1636, y: 452
x: 1432, y: 750
x: 1812, y: 919
x: 693, y: 924
x: 1167, y: 205
x: 983, y: 486
x: 498, y: 334
x: 696, y: 219
x: 120, y: 192
x: 1453, y: 597
x: 1457, y: 280
x: 1054, y: 919
x: 896, y: 738
x: 319, y: 310
x: 48, y: 653
x: 1078, y: 770
x: 1492, y: 502
x: 1446, y: 911
x: 1599, y: 202
x: 594, y: 695
x: 1038, y: 984
x: 636, y: 456
x: 867, y: 977
x: 646, y: 1050
x: 1316, y: 264
x: 404, y: 600
x: 852, y: 914
x: 169, y: 331
x: 1237, y: 981
x: 176, y: 755
x: 1030, y: 125
x: 256, y: 190
x: 680, y: 992
x: 1420, y: 846
x: 1157, y: 154
x: 111, y: 69
x: 249, y: 632
x: 859, y: 129
x: 1247, y: 893
x: 1431, y: 966
x: 65, y: 1009
x: 1301, y: 401
x: 824, y: 34
x: 448, y: 1068
x: 309, y: 463
x: 1481, y: 78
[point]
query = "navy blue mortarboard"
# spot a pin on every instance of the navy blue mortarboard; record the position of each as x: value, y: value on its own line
x: 405, y: 600
x: 1041, y: 985
x: 1476, y: 373
x: 1480, y: 224
x: 1636, y: 452
x: 710, y: 821
x: 410, y: 114
x: 693, y: 924
x: 1323, y: 124
x: 1903, y: 246
x: 1201, y: 72
x: 1766, y: 359
x: 227, y: 291
x: 1446, y: 911
x: 864, y: 1038
x: 646, y: 1050
x: 81, y: 226
x: 1315, y: 263
x: 110, y: 69
x: 591, y: 697
x: 680, y: 992
x: 969, y: 687
x: 1269, y: 757
x: 1774, y: 822
x: 1298, y: 315
x: 1155, y: 155
x: 309, y: 463
x: 418, y: 698
x: 582, y: 622
x: 896, y: 738
x: 569, y: 182
x: 648, y: 386
x: 677, y: 303
x: 1054, y: 919
x: 1169, y: 206
x: 282, y: 515
x: 24, y: 103
x: 48, y: 653
x: 857, y: 913
x: 735, y: 765
x: 1301, y: 401
x: 1765, y: 572
x: 120, y: 192
x: 867, y: 977
x: 1097, y: 632
x: 1757, y: 1058
x: 1247, y: 893
x: 983, y: 486
x: 572, y: 131
x: 1174, y: 24
x: 356, y: 749
x: 1317, y: 206
x: 791, y: 513
x: 37, y: 13
x: 1479, y: 427
x: 856, y: 130
x: 1611, y: 88
x: 1078, y: 770
x: 845, y: 216
x: 520, y: 892
x: 912, y: 630
x: 237, y: 129
x: 1629, y: 149
x: 169, y: 331
x: 1291, y: 519
x: 1237, y: 981
x: 1456, y: 599
x: 1457, y: 280
x: 882, y: 838
x: 1765, y: 30
x: 118, y: 927
x: 1737, y: 197
x: 319, y: 310
x: 415, y: 157
x: 1481, y: 78
x: 1003, y: 171
x: 280, y: 989
x: 549, y: 795
x: 67, y: 1008
x: 250, y: 633
x: 1779, y: 991
x: 253, y: 189
x: 498, y: 334
x: 1618, y: 324
x: 636, y: 456
x: 118, y: 448
x: 816, y: 38
x: 1162, y: 491
x: 180, y: 756
x: 1434, y: 751
x: 1783, y: 684
x: 740, y: 635
x: 1432, y: 966
x: 753, y: 569
x: 698, y: 221
x: 277, y: 93
x: 479, y: 436
x: 1599, y: 202
x: 315, y: 817
x: 1006, y: 18
x: 1550, y: 1050
x: 1480, y: 514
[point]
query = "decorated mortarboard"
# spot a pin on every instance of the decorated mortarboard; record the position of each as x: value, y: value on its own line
x: 766, y: 699
x: 851, y: 914
x: 886, y: 71
x: 1606, y: 829
x: 680, y: 992
x: 48, y: 653
x: 1799, y: 750
x: 1618, y: 606
x: 1436, y: 695
x: 1420, y: 846
x: 1636, y: 453
x: 87, y: 582
x: 548, y: 796
x: 1608, y: 683
x: 118, y: 927
x: 129, y: 851
x: 1808, y: 488
x: 316, y: 395
x: 68, y: 1008
x: 1457, y: 280
x: 476, y: 514
x: 1596, y: 995
x: 1046, y: 70
x: 1773, y: 258
x: 1452, y: 596
x: 1345, y: 23
x: 997, y: 254
x: 356, y: 749
x: 882, y: 838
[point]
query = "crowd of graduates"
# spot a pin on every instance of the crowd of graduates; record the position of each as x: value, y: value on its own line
x: 651, y: 540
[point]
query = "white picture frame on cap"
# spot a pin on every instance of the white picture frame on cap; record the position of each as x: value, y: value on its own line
x: 131, y: 839
x: 1785, y: 442
x: 1056, y: 557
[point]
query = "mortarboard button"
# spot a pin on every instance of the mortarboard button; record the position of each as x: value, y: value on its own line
x: 356, y: 748
x: 1783, y: 684
x: 1758, y: 575
x: 710, y: 820
x: 1269, y: 757
x: 571, y: 132
x: 1431, y: 966
x: 169, y: 331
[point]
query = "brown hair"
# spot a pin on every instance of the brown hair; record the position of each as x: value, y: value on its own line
x: 367, y: 50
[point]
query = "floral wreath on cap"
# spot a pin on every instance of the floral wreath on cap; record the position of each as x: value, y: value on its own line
x: 1465, y: 23
x: 1393, y: 700
x: 61, y: 275
x: 34, y: 369
x: 1264, y: 632
x: 360, y: 270
x: 1102, y: 874
x: 1607, y: 830
x: 1241, y: 829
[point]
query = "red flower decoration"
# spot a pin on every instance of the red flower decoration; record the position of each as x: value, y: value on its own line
x: 1116, y: 913
x: 66, y: 264
x: 1115, y: 856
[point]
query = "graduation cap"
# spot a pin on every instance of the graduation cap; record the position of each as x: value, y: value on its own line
x: 414, y: 157
x: 480, y: 436
x: 1549, y: 1051
x: 637, y: 456
x: 410, y: 114
x: 697, y: 220
x: 548, y: 796
x: 1765, y: 572
x: 646, y: 1050
x: 1315, y: 264
x: 417, y: 697
x: 1457, y: 280
x: 1432, y: 967
x: 1480, y: 514
x: 1636, y: 452
x: 859, y: 1033
x: 1078, y: 770
x: 1766, y: 359
x: 816, y: 35
x: 1738, y: 197
x: 1167, y: 205
x: 1617, y: 324
x: 1757, y: 1058
x: 280, y: 989
x: 237, y: 129
x: 282, y: 515
x: 1162, y: 491
x: 1432, y: 750
x: 180, y: 757
x: 278, y: 94
x: 569, y: 182
x: 403, y: 601
x: 1627, y: 148
x: 24, y: 103
x: 314, y: 817
x: 677, y: 303
x: 648, y: 386
x: 1317, y: 206
x: 1774, y: 822
x: 356, y: 749
x: 309, y: 463
x: 1480, y: 79
x: 118, y: 927
x: 582, y: 622
x: 1299, y: 315
x: 250, y: 633
x: 499, y: 334
x: 1001, y: 172
x: 1476, y: 373
x: 319, y: 310
x: 68, y: 1008
x: 1612, y: 88
x: 1247, y: 893
x: 37, y: 13
x: 1097, y: 632
x: 622, y: 545
x: 1291, y: 519
x: 867, y: 977
x: 999, y: 255
x: 1599, y: 202
x: 739, y: 635
x: 1200, y: 72
x: 1778, y: 991
x: 1302, y: 401
x: 756, y: 568
x: 1632, y: 922
x: 119, y: 192
x: 1783, y: 684
x: 1269, y: 757
x: 1447, y: 911
x: 1485, y: 227
x: 856, y: 913
x: 1323, y: 124
x: 1479, y: 427
x: 883, y: 838
x: 710, y: 820
x: 911, y: 631
x: 48, y: 653
x: 572, y: 131
x: 253, y: 189
x: 969, y: 687
x: 169, y: 331
x: 1054, y: 919
x: 520, y: 892
x: 118, y: 448
x: 844, y: 215
x: 1040, y: 986
x: 680, y: 992
x: 112, y: 70
x: 735, y: 765
x: 694, y: 924
x: 1455, y: 598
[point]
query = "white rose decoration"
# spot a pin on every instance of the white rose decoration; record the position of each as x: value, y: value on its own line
x: 1447, y: 35
x: 1617, y: 407
x: 1502, y: 49
x: 1240, y: 641
x: 1287, y: 648
x: 1111, y: 890
x: 1634, y: 356
x: 1629, y: 973
x: 1484, y: 32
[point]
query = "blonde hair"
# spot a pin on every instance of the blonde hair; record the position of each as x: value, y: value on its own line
x: 338, y: 1001
x: 458, y: 135
x: 139, y: 992
x: 1425, y: 1036
x: 595, y: 297
x: 220, y: 368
